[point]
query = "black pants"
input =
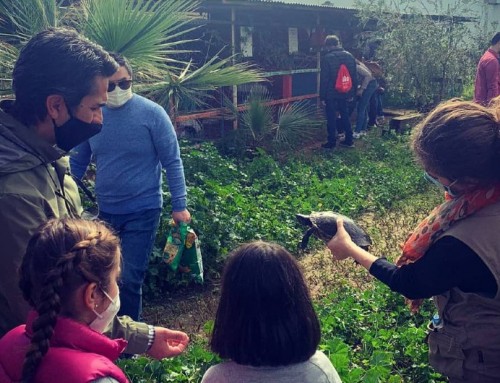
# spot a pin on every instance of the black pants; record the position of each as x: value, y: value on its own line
x: 334, y: 106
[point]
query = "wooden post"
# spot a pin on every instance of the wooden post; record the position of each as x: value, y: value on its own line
x: 318, y: 65
x: 287, y: 86
x: 233, y: 51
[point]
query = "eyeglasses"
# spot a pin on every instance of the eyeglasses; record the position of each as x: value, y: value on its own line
x: 436, y: 182
x: 123, y: 84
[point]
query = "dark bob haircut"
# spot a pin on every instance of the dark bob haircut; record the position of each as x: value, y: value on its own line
x: 265, y: 315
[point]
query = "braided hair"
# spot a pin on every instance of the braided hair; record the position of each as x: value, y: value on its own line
x: 61, y: 256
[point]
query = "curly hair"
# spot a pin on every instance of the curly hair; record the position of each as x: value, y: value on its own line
x: 460, y: 139
x: 61, y: 256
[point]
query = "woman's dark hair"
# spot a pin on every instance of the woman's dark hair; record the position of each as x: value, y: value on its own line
x: 56, y: 61
x: 265, y: 315
x: 122, y: 61
x: 495, y: 39
x: 61, y: 256
x: 460, y: 139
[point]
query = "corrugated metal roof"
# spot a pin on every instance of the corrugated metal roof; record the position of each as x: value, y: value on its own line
x: 335, y: 4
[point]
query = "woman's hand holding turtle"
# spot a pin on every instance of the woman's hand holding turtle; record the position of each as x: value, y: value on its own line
x: 341, y: 244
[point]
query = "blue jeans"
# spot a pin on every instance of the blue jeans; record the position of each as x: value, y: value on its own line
x: 331, y: 108
x: 363, y: 104
x: 137, y: 233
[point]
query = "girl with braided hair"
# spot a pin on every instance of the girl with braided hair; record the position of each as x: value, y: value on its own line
x: 454, y: 254
x: 69, y: 277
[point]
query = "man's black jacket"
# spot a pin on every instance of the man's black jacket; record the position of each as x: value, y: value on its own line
x: 330, y: 65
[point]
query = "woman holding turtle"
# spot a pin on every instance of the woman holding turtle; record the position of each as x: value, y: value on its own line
x: 454, y: 253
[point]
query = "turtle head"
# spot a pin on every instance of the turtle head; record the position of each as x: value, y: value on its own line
x: 304, y: 219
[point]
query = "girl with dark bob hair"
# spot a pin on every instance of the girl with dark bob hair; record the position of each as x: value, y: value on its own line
x: 265, y: 324
x: 454, y: 254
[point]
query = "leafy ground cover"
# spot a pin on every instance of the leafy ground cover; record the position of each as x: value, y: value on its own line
x: 257, y: 198
x: 368, y: 331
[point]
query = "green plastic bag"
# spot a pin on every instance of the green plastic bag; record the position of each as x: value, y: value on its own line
x: 182, y: 251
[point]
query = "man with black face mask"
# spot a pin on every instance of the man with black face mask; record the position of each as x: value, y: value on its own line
x: 60, y: 81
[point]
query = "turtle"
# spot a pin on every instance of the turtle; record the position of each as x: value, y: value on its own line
x: 323, y: 224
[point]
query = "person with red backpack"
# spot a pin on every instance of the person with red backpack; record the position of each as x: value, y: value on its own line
x: 338, y: 84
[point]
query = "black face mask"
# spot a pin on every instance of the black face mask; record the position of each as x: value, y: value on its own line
x: 74, y: 132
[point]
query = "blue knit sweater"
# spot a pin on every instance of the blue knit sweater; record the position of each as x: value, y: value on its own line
x: 136, y: 141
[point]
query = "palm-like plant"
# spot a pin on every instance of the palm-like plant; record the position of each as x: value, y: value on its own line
x: 294, y: 124
x: 8, y: 56
x: 194, y: 84
x: 257, y: 119
x: 147, y: 32
x: 20, y: 20
x: 28, y: 17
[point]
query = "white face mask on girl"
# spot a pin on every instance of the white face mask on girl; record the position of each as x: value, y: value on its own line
x: 118, y: 97
x: 105, y: 318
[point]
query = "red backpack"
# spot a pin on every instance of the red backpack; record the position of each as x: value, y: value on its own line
x: 343, y: 84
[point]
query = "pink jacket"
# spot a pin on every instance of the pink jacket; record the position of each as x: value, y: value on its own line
x: 487, y: 81
x: 77, y: 354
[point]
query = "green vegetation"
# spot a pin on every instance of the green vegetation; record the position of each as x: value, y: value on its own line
x: 239, y: 200
x: 368, y: 332
x: 427, y: 58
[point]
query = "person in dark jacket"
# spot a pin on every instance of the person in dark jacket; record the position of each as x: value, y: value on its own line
x: 334, y: 100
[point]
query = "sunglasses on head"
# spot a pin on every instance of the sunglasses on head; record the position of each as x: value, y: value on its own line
x: 123, y: 84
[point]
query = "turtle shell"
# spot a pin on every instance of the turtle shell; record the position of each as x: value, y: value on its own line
x: 324, y: 226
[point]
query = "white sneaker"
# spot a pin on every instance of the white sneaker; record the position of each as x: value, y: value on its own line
x: 356, y: 135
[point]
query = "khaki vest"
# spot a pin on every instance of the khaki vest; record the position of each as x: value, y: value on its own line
x: 469, y: 342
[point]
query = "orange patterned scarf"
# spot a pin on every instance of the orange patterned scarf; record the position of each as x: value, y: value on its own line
x: 441, y: 219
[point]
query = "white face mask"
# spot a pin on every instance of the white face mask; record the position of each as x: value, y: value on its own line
x: 118, y: 97
x: 104, y: 319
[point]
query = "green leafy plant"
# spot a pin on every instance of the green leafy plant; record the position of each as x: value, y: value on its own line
x: 426, y: 49
x: 147, y: 32
x: 272, y: 128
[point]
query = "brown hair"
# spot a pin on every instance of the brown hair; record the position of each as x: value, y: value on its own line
x: 61, y: 256
x: 265, y: 315
x: 460, y: 139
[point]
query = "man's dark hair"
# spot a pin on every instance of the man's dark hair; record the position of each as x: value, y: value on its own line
x: 332, y: 41
x: 495, y: 38
x: 122, y: 61
x: 56, y: 61
x: 265, y: 315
